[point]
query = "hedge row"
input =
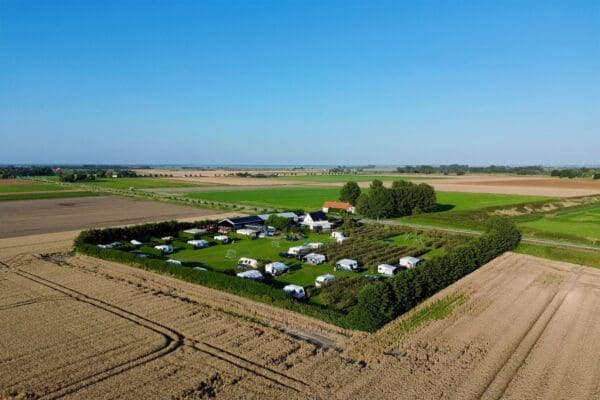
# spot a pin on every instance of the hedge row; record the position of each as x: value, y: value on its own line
x: 380, y: 303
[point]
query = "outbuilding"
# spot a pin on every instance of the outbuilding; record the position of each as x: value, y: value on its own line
x: 346, y: 264
x: 324, y: 280
x: 295, y: 291
x: 410, y: 262
x: 338, y: 205
x: 233, y: 224
x: 198, y: 244
x: 251, y: 274
x: 276, y: 268
x: 314, y: 258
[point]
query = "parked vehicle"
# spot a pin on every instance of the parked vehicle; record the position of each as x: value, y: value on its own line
x: 324, y: 280
x: 295, y: 291
x: 252, y: 275
x: 346, y: 264
x: 276, y: 268
x: 164, y: 248
x: 248, y: 262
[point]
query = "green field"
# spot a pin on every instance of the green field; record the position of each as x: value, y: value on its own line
x: 138, y: 183
x: 46, y: 195
x: 589, y: 258
x: 29, y: 186
x: 354, y: 178
x: 577, y: 224
x: 312, y: 198
x: 280, y: 198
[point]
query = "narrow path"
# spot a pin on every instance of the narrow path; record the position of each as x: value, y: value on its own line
x: 478, y: 233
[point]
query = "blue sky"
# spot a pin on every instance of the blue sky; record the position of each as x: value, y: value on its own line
x: 300, y: 82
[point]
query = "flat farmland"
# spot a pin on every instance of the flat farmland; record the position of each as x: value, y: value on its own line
x: 19, y: 186
x: 312, y: 198
x: 78, y: 327
x: 357, y: 178
x: 577, y: 222
x: 139, y: 183
x: 27, y: 217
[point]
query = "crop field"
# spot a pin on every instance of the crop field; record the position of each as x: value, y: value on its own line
x: 19, y: 186
x: 28, y: 217
x: 355, y: 178
x: 79, y: 327
x: 140, y: 183
x: 278, y: 198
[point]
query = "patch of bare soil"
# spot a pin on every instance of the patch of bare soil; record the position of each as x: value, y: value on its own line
x: 78, y: 327
x: 29, y: 217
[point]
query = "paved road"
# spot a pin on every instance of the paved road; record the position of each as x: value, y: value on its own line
x: 477, y: 233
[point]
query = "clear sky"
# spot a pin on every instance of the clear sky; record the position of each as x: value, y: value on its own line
x: 300, y: 82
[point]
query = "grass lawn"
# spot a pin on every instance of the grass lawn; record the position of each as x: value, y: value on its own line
x: 588, y: 258
x: 280, y: 198
x: 46, y: 195
x: 353, y: 178
x: 467, y: 210
x: 578, y: 223
x: 20, y: 186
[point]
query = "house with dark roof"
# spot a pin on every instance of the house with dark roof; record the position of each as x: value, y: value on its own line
x: 316, y: 221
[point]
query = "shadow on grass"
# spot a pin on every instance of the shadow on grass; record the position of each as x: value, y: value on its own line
x: 444, y: 207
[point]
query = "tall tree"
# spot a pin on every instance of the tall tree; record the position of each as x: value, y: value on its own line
x: 350, y: 192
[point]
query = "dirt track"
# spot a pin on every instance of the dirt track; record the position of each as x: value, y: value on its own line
x: 29, y: 217
x: 85, y: 328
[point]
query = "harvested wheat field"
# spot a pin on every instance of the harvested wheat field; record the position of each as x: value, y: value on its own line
x: 29, y: 217
x: 78, y: 327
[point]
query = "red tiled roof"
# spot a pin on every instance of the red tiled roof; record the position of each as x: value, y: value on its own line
x: 337, y: 205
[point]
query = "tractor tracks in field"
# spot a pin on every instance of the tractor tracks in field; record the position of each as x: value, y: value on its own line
x: 499, y: 383
x: 173, y: 340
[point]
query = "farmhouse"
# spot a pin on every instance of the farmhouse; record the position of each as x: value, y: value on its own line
x: 387, y: 269
x: 252, y: 274
x: 199, y: 244
x: 346, y: 264
x: 316, y: 221
x: 295, y: 291
x: 410, y: 262
x: 234, y: 224
x: 164, y: 248
x: 314, y: 259
x: 323, y: 280
x: 276, y: 268
x: 338, y: 205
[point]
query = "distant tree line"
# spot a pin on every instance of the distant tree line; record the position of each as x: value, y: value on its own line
x: 380, y: 303
x: 460, y: 169
x: 576, y: 173
x: 403, y: 198
x: 11, y: 172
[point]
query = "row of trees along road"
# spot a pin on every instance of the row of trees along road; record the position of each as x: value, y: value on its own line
x: 403, y: 198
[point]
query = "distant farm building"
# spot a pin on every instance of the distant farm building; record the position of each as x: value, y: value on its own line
x: 338, y: 205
